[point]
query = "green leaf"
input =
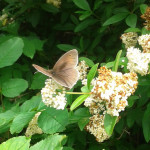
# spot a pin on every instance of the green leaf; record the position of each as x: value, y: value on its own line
x: 29, y: 48
x: 5, y: 75
x: 131, y: 118
x: 83, y: 4
x: 16, y: 143
x: 17, y: 73
x: 146, y: 124
x: 31, y: 44
x: 109, y: 123
x: 84, y: 24
x: 74, y: 19
x: 8, y: 116
x: 4, y: 38
x: 52, y: 120
x: 66, y: 47
x: 116, y: 62
x: 80, y: 116
x: 132, y: 30
x: 13, y: 87
x: 38, y: 81
x: 10, y: 51
x: 131, y: 100
x: 116, y: 18
x: 21, y: 121
x: 91, y: 75
x: 119, y: 127
x: 97, y: 4
x: 88, y: 61
x: 53, y: 142
x: 85, y: 15
x: 131, y: 20
x: 31, y: 104
x: 4, y: 128
x: 82, y: 123
x: 122, y: 61
x: 34, y: 17
x: 38, y: 44
x: 143, y: 8
x: 79, y: 101
x: 12, y: 28
x: 143, y: 81
x: 145, y: 31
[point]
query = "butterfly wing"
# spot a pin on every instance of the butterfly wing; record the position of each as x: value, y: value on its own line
x: 42, y: 70
x: 64, y: 69
x: 68, y: 60
x: 67, y: 78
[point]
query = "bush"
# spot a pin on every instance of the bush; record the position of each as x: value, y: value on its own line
x: 108, y: 108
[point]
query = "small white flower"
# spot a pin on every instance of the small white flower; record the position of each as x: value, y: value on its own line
x: 144, y: 41
x: 82, y: 68
x: 129, y: 39
x: 96, y: 127
x: 51, y: 97
x: 137, y: 61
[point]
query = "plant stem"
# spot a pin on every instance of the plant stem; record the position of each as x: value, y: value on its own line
x: 76, y: 93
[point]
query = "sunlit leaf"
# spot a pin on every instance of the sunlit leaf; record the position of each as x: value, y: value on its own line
x: 78, y: 101
x: 52, y: 120
x: 16, y: 143
x: 10, y: 51
x: 109, y: 123
x: 13, y: 87
x: 53, y: 142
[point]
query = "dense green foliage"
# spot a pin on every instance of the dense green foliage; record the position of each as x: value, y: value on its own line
x: 36, y: 32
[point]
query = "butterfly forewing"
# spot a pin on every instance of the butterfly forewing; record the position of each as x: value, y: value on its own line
x: 42, y: 70
x: 68, y: 60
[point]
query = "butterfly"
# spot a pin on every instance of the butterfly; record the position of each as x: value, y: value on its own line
x: 64, y: 71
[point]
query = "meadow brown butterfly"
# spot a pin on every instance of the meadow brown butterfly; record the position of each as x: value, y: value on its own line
x: 64, y: 71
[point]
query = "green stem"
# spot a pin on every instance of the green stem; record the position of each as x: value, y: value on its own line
x: 76, y: 93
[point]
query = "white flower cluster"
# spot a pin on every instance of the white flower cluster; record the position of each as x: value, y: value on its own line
x: 56, y: 3
x: 33, y: 126
x: 144, y: 41
x: 95, y: 105
x: 109, y: 95
x: 111, y: 91
x: 53, y: 94
x: 129, y: 39
x: 82, y: 68
x: 96, y: 127
x: 137, y: 61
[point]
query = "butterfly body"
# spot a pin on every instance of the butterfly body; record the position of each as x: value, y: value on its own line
x: 64, y: 71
